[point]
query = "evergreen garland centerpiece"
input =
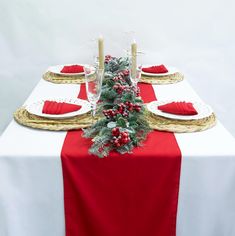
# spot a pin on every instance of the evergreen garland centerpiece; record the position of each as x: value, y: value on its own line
x: 123, y: 125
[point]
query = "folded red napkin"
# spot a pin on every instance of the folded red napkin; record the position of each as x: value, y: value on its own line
x: 155, y: 69
x: 72, y: 69
x: 56, y: 108
x: 179, y: 108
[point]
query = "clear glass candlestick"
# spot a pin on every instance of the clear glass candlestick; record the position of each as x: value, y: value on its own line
x: 94, y: 78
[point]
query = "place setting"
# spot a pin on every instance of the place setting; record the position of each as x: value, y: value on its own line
x: 65, y: 74
x: 180, y: 116
x: 160, y: 74
x: 55, y: 114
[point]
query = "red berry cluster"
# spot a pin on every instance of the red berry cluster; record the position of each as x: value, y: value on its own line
x: 119, y: 88
x: 118, y: 78
x: 132, y: 107
x: 120, y: 138
x: 107, y: 59
x: 122, y: 109
x: 110, y: 113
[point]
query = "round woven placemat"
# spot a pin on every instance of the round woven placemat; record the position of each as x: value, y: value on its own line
x: 60, y: 79
x: 180, y: 126
x: 168, y: 79
x: 23, y: 117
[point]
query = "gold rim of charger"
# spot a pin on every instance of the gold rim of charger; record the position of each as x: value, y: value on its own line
x: 167, y: 79
x: 61, y: 79
x: 23, y: 117
x: 180, y: 126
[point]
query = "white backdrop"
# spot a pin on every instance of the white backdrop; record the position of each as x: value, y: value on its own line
x: 195, y: 36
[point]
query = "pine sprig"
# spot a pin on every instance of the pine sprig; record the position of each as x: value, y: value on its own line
x: 123, y: 125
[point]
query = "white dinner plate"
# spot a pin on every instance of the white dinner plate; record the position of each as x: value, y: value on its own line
x: 36, y: 108
x: 171, y: 70
x: 56, y: 70
x: 203, y: 110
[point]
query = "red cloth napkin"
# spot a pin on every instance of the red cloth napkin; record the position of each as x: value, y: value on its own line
x: 72, y: 69
x: 56, y: 108
x: 179, y: 108
x: 155, y: 69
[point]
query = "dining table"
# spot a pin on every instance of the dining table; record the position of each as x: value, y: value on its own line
x: 31, y: 176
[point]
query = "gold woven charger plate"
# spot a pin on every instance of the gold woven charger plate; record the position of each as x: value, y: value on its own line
x: 61, y: 79
x: 23, y: 117
x: 180, y: 126
x: 167, y: 79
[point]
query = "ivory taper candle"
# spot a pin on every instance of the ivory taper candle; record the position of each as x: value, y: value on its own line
x: 101, y: 52
x: 133, y: 58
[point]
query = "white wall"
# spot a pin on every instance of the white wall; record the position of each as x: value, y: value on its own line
x: 195, y: 36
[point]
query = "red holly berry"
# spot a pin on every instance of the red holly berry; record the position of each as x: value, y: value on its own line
x: 125, y: 141
x: 108, y: 58
x: 119, y: 88
x: 115, y: 132
x: 137, y: 107
x: 110, y: 113
x: 124, y: 134
x: 116, y: 142
x: 120, y: 139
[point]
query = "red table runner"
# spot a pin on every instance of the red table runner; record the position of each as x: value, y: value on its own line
x: 121, y: 195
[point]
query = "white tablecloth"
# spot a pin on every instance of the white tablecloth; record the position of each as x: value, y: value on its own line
x: 31, y: 184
